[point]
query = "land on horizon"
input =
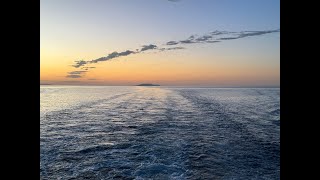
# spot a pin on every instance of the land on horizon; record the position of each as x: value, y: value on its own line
x: 148, y: 84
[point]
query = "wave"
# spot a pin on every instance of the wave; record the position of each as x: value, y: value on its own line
x: 163, y: 134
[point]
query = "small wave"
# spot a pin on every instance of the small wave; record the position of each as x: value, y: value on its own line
x: 164, y: 134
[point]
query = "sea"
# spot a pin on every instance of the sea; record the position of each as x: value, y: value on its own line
x: 136, y: 132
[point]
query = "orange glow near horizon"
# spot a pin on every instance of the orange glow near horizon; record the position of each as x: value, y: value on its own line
x: 164, y: 69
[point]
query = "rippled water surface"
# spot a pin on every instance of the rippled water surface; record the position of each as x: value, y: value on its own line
x: 159, y: 133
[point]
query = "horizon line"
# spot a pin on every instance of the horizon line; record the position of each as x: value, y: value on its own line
x: 207, y: 86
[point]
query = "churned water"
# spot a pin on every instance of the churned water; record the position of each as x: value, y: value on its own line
x: 159, y: 133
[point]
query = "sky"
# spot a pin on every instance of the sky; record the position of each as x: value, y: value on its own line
x: 218, y: 43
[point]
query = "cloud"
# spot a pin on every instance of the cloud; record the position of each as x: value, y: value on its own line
x: 191, y: 37
x: 111, y: 56
x: 218, y: 32
x: 175, y: 48
x: 73, y: 76
x: 256, y: 33
x: 188, y: 41
x: 77, y: 72
x: 204, y: 38
x: 211, y: 37
x: 228, y: 38
x: 125, y: 53
x: 172, y: 48
x: 172, y: 43
x: 244, y: 34
x: 71, y: 81
x: 87, y: 68
x: 147, y: 47
x: 79, y: 63
x: 207, y: 38
x: 212, y: 41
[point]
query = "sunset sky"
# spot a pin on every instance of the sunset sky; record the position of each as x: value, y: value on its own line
x: 217, y: 43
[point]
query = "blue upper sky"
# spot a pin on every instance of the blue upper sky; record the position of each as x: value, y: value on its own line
x: 160, y: 19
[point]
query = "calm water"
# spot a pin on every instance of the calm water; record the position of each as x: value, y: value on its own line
x: 159, y: 133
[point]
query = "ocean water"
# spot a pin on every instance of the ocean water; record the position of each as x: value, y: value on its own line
x: 102, y: 132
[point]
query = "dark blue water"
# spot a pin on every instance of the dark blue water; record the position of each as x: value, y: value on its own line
x: 159, y: 133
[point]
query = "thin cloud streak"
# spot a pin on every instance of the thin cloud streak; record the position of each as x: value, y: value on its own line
x: 112, y: 56
x: 172, y: 43
x: 211, y: 37
x: 147, y: 47
x: 73, y: 76
x: 79, y: 63
x: 188, y: 41
x: 76, y: 72
x: 228, y: 38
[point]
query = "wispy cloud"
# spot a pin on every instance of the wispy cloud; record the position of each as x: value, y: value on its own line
x: 172, y: 43
x: 87, y: 68
x: 244, y: 34
x: 77, y: 72
x: 73, y: 76
x: 175, y: 48
x: 212, y: 41
x: 147, y: 47
x: 111, y: 56
x: 188, y: 41
x: 228, y: 38
x: 211, y: 37
x: 171, y: 48
x: 203, y: 38
x: 79, y: 63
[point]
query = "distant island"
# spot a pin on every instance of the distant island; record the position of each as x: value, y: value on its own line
x: 148, y: 85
